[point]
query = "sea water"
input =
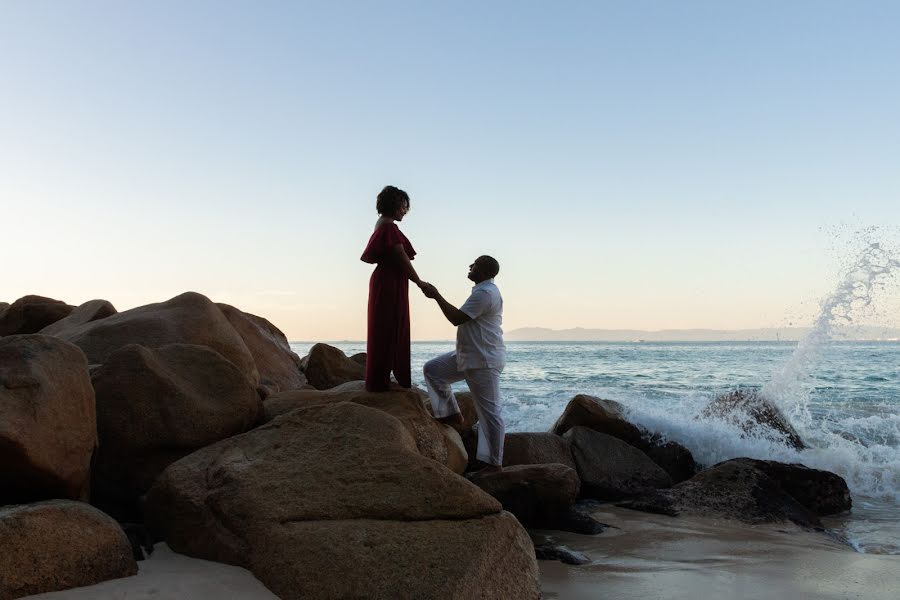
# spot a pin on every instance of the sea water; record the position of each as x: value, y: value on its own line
x: 853, y: 406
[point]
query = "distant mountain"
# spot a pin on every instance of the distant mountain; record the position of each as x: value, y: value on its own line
x: 579, y: 334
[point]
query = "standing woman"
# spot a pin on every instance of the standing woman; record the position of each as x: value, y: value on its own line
x: 387, y: 343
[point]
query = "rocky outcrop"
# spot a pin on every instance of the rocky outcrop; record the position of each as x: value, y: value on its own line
x: 675, y: 459
x: 190, y: 318
x: 536, y: 449
x: 157, y: 405
x: 610, y: 469
x: 92, y: 310
x: 731, y: 490
x: 822, y: 492
x: 326, y: 367
x: 58, y: 545
x: 277, y: 364
x: 359, y: 357
x: 755, y: 415
x: 335, y: 501
x: 605, y: 416
x: 30, y: 314
x: 436, y: 441
x: 538, y: 495
x: 48, y: 428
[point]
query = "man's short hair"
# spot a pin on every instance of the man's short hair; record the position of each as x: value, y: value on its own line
x: 491, y: 265
x: 390, y: 199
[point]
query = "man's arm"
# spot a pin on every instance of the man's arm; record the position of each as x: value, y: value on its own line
x: 453, y: 314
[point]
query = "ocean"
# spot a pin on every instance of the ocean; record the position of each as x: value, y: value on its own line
x: 842, y: 397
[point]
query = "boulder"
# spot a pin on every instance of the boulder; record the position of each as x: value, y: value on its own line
x: 190, y: 318
x: 605, y: 416
x: 675, y: 459
x: 92, y: 310
x: 335, y: 501
x: 58, y: 545
x: 755, y: 415
x: 326, y: 367
x: 277, y: 364
x: 48, y: 426
x: 30, y: 314
x: 433, y: 440
x: 610, y: 469
x: 538, y: 495
x: 732, y: 490
x: 564, y: 555
x: 157, y: 405
x: 536, y: 449
x: 3, y: 306
x: 360, y: 358
x: 466, y: 409
x: 822, y: 492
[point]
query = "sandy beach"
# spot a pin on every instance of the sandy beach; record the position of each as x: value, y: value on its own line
x: 648, y: 556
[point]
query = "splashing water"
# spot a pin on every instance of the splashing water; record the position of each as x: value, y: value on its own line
x: 790, y: 385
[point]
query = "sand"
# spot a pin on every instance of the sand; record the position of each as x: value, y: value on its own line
x: 652, y: 557
x: 646, y: 557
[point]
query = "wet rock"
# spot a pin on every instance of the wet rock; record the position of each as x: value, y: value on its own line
x: 326, y: 367
x: 610, y: 469
x: 675, y: 459
x: 48, y: 426
x: 604, y: 416
x: 335, y: 501
x: 755, y: 415
x: 92, y: 310
x: 433, y: 440
x: 562, y: 554
x: 157, y: 405
x: 578, y: 520
x: 58, y: 545
x: 190, y: 318
x: 277, y: 364
x: 731, y: 490
x: 822, y: 492
x: 538, y: 495
x: 30, y: 314
x: 536, y: 449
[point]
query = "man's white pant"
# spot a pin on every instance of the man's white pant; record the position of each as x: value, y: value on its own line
x: 484, y: 384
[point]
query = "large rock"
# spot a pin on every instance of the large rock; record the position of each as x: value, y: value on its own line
x: 732, y: 490
x: 335, y: 501
x: 48, y: 426
x: 539, y: 495
x: 822, y: 492
x: 433, y: 440
x: 92, y: 310
x: 536, y: 449
x: 157, y: 405
x: 326, y: 367
x: 610, y: 469
x: 605, y: 416
x: 30, y: 314
x: 278, y: 365
x: 755, y: 415
x: 675, y: 459
x: 190, y: 318
x: 58, y: 545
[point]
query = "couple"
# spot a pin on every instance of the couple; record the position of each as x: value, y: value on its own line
x: 480, y: 354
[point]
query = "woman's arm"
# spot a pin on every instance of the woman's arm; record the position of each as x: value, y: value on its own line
x: 400, y: 255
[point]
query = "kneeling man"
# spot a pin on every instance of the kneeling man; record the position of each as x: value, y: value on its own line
x: 479, y: 358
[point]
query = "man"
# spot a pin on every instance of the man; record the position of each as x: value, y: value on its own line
x: 479, y: 358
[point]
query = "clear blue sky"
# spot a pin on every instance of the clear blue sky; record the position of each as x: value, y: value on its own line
x: 631, y: 164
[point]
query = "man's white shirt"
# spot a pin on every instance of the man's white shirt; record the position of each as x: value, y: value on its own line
x: 479, y: 342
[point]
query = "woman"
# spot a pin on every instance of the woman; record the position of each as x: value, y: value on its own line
x: 387, y: 343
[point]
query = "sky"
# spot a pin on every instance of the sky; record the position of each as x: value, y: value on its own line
x: 634, y: 164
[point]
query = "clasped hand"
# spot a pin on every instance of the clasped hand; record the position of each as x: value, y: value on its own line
x: 429, y: 290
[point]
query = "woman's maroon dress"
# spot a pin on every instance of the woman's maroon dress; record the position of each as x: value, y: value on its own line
x: 387, y: 342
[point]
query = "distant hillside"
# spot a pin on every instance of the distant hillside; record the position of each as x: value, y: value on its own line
x: 579, y: 334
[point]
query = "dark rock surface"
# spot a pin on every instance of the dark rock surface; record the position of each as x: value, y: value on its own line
x: 610, y: 469
x: 536, y: 449
x: 30, y: 314
x: 538, y: 495
x: 604, y: 416
x: 48, y: 425
x: 755, y: 415
x: 562, y: 554
x: 327, y: 367
x: 92, y: 310
x: 822, y: 492
x: 58, y: 545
